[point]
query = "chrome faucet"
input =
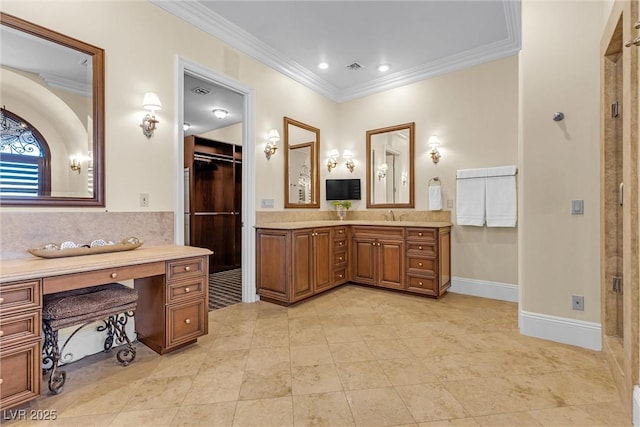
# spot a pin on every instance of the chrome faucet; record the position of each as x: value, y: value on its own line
x: 393, y: 217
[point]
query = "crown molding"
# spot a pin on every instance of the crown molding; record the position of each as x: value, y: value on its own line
x: 69, y: 85
x: 203, y: 18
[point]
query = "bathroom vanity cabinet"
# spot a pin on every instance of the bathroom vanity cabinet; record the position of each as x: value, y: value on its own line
x: 299, y: 260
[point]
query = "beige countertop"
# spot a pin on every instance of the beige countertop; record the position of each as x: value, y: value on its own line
x: 296, y: 225
x: 34, y: 267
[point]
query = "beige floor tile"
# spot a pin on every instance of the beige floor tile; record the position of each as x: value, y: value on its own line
x: 350, y: 352
x: 458, y: 422
x: 513, y: 419
x: 580, y: 387
x: 184, y: 365
x: 306, y: 336
x: 156, y: 393
x: 272, y: 338
x: 388, y: 349
x: 268, y: 358
x: 378, y: 407
x: 484, y: 396
x: 339, y: 334
x: 307, y: 355
x: 438, y: 345
x: 264, y: 412
x: 430, y: 402
x: 224, y: 361
x: 565, y: 416
x: 213, y: 414
x: 84, y: 421
x: 265, y: 384
x: 315, y: 379
x: 359, y: 375
x: 219, y: 387
x: 103, y: 398
x: 336, y: 320
x: 612, y: 413
x: 234, y: 342
x: 377, y: 332
x: 408, y: 371
x: 325, y: 409
x: 145, y: 417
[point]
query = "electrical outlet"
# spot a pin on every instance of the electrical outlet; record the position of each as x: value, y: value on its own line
x: 144, y: 200
x: 577, y: 302
x: 449, y: 203
x: 267, y: 203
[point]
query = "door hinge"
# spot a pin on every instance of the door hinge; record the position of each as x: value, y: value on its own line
x: 615, y: 109
x: 617, y: 285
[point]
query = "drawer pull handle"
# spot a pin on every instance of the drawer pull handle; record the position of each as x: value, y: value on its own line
x: 420, y: 247
x: 1, y: 380
x: 340, y: 276
x: 341, y: 243
x: 114, y: 275
x: 187, y: 268
x: 420, y: 264
x: 1, y: 300
x: 420, y: 234
x: 373, y: 244
x: 187, y: 321
x: 186, y: 290
x: 1, y: 333
x: 420, y: 283
x: 340, y: 258
x: 341, y: 231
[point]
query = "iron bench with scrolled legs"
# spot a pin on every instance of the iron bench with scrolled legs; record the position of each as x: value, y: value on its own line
x: 112, y: 303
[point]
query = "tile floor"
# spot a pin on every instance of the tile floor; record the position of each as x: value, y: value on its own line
x: 354, y: 356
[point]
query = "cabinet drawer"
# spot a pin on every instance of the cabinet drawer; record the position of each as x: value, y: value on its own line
x: 339, y: 244
x: 182, y: 269
x: 426, y: 265
x: 186, y: 322
x: 20, y: 296
x: 340, y: 232
x: 186, y: 289
x: 18, y: 328
x: 425, y: 285
x: 378, y: 232
x: 20, y: 373
x: 421, y: 234
x: 339, y: 258
x: 340, y: 276
x: 421, y: 249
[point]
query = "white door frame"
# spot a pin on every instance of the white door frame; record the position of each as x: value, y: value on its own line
x: 248, y: 213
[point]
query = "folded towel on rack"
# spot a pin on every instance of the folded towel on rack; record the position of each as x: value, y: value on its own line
x: 435, y: 198
x: 501, y: 197
x: 470, y: 185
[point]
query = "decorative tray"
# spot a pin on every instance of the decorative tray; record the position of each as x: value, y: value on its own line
x: 67, y: 249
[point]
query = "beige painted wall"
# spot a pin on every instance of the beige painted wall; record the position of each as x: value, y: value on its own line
x: 559, y: 71
x: 474, y: 112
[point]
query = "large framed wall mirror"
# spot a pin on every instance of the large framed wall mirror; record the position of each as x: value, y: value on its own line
x: 301, y: 147
x: 390, y: 159
x: 52, y: 117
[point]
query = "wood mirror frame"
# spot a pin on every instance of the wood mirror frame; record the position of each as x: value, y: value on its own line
x: 301, y: 136
x: 97, y: 107
x: 401, y: 176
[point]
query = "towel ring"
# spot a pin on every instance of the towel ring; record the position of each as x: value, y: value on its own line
x: 435, y: 179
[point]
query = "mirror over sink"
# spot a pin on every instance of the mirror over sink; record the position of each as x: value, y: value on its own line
x: 301, y: 147
x: 390, y: 163
x: 52, y: 117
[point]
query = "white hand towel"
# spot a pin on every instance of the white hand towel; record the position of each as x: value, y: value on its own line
x: 501, y: 197
x: 435, y: 198
x: 470, y: 197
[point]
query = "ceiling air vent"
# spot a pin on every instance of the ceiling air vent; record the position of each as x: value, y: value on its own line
x: 354, y: 66
x: 201, y: 90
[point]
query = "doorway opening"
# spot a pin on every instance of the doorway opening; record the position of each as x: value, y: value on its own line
x: 215, y: 158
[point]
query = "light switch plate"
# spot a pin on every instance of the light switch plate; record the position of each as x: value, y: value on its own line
x: 577, y: 207
x: 267, y: 203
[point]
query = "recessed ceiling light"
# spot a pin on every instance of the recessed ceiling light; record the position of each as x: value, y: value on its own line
x: 323, y: 65
x: 384, y: 67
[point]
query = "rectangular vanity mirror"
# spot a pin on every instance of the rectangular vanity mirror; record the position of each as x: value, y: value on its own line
x: 301, y: 147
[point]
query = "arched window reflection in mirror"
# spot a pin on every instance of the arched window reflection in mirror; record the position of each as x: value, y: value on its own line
x: 390, y: 163
x: 56, y: 83
x: 301, y: 147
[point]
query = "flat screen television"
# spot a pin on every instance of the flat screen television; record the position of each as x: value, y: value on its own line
x: 343, y: 189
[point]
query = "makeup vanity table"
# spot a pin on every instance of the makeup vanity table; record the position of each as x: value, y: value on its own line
x: 172, y: 285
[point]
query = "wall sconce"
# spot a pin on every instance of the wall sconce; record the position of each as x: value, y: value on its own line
x: 272, y: 145
x: 220, y: 113
x: 152, y: 103
x: 332, y: 161
x: 75, y: 162
x: 346, y: 154
x: 434, y: 143
x: 382, y: 170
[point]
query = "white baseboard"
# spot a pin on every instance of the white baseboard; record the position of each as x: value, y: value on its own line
x: 484, y: 289
x: 561, y: 329
x: 87, y: 341
x: 636, y: 406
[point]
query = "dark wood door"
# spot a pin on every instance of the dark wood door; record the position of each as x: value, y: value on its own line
x: 391, y: 263
x: 323, y: 261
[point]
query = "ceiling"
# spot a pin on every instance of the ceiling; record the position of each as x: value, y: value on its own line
x: 419, y: 39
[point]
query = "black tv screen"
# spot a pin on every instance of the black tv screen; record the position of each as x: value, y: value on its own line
x: 343, y: 189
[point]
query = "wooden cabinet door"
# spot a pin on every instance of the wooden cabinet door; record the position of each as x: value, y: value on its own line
x: 390, y: 262
x: 272, y: 264
x: 364, y: 260
x: 301, y: 264
x: 20, y: 372
x: 323, y: 260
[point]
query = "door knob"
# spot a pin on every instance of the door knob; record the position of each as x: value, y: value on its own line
x: 187, y: 321
x: 114, y: 275
x: 634, y: 42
